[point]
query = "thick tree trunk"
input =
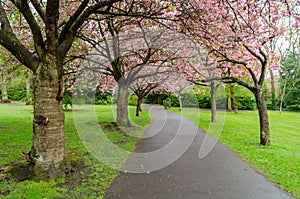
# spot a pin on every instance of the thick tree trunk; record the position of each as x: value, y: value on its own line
x: 138, y: 107
x: 3, y: 87
x: 122, y: 105
x: 213, y: 89
x: 48, y: 152
x: 263, y: 117
x: 235, y: 104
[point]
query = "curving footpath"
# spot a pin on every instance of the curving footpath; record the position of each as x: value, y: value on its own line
x: 220, y: 175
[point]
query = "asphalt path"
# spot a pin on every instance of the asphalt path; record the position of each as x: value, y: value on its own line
x: 219, y: 175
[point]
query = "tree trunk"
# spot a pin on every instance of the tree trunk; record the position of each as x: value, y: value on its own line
x: 28, y: 87
x: 273, y: 94
x: 4, y: 88
x: 229, y: 104
x: 159, y: 101
x: 235, y: 104
x: 282, y: 95
x: 138, y: 106
x: 122, y: 105
x: 213, y: 101
x: 180, y: 102
x: 263, y: 117
x: 48, y: 152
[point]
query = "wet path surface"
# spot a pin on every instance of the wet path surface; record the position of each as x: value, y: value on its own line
x: 220, y: 175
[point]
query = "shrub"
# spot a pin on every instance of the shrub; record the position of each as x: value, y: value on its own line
x: 133, y: 100
x: 203, y: 101
x: 103, y: 98
x: 166, y: 103
x: 151, y: 99
x: 295, y: 107
x: 67, y: 101
x: 246, y: 103
x: 14, y: 94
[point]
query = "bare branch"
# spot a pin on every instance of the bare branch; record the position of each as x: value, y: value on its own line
x: 12, y: 44
x: 24, y: 8
x: 38, y: 8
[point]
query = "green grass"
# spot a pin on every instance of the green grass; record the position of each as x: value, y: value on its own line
x: 91, y: 177
x: 279, y: 162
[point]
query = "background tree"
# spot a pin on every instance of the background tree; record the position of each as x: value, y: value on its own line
x: 290, y: 82
x: 238, y: 36
x: 8, y: 69
x: 123, y: 47
x: 152, y: 79
x: 232, y: 98
x: 289, y: 73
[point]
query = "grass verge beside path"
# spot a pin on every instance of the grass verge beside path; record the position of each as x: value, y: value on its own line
x: 279, y: 162
x: 91, y: 178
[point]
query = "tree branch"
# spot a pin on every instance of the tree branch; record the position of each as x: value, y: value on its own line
x: 12, y: 44
x: 67, y: 40
x: 38, y: 8
x: 39, y: 45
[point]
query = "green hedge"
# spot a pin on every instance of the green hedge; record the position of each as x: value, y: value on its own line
x: 16, y: 94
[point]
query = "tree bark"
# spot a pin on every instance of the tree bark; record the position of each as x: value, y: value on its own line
x: 282, y: 95
x: 122, y: 105
x: 28, y: 84
x: 138, y: 106
x: 235, y: 104
x: 3, y: 88
x: 213, y: 101
x: 273, y: 90
x: 180, y: 102
x: 159, y: 101
x: 48, y: 153
x: 229, y: 103
x: 263, y: 116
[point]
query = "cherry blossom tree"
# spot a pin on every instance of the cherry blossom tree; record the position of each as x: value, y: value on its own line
x: 152, y: 79
x: 237, y: 33
x: 51, y: 26
x: 200, y: 69
x: 123, y: 47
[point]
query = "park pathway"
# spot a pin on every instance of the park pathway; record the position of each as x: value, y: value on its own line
x: 220, y: 175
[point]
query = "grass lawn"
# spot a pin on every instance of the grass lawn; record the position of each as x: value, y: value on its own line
x: 91, y: 178
x: 280, y: 162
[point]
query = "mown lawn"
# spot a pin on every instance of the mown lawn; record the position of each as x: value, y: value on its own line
x: 90, y: 178
x: 280, y: 162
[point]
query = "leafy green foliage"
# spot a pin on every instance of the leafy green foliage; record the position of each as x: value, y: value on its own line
x: 166, y: 103
x: 133, y: 100
x: 16, y: 94
x: 244, y: 97
x: 103, y: 98
x: 290, y: 81
x: 67, y: 101
x: 246, y: 103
